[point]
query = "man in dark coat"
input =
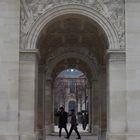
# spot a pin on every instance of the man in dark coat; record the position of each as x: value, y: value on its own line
x: 62, y: 121
x: 84, y: 120
x: 73, y: 125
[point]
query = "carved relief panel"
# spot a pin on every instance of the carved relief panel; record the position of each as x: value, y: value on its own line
x: 113, y: 10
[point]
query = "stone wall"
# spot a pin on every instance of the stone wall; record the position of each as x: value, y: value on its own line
x: 116, y: 100
x: 9, y: 73
x: 9, y: 68
x: 133, y: 68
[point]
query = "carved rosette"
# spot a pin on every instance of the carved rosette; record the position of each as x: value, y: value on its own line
x: 113, y: 10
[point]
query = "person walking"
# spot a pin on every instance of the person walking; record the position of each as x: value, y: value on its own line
x: 84, y: 119
x: 62, y: 121
x: 74, y: 124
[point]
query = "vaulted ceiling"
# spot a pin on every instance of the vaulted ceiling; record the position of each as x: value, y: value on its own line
x: 72, y: 30
x: 71, y: 63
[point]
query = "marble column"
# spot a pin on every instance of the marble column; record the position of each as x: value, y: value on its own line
x: 90, y: 108
x: 99, y: 102
x: 95, y: 107
x: 103, y: 98
x: 27, y: 94
x: 48, y: 107
x: 41, y: 101
x: 116, y: 72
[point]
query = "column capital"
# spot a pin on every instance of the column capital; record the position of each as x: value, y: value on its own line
x: 116, y: 55
x: 29, y: 51
x: 28, y: 55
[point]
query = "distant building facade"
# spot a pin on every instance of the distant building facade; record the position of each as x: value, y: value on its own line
x: 71, y: 91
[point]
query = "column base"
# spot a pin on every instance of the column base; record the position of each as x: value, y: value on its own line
x: 49, y: 129
x: 116, y: 136
x: 96, y: 130
x: 122, y: 136
x: 28, y: 137
x: 133, y: 136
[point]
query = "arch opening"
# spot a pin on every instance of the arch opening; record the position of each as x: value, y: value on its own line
x: 71, y: 41
x: 68, y: 36
x: 69, y: 31
x: 71, y: 90
x: 72, y: 63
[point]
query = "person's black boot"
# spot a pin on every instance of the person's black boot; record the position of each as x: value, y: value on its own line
x: 67, y: 137
x: 78, y: 138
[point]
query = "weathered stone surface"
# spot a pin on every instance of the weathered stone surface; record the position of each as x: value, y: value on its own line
x: 17, y: 108
x: 9, y: 68
x: 111, y: 9
x: 133, y: 68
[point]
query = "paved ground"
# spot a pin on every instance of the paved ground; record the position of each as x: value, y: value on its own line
x: 56, y: 129
x: 73, y: 137
x: 84, y: 134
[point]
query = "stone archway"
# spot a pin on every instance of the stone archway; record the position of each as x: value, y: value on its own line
x: 29, y: 63
x: 33, y: 33
x: 89, y: 69
x: 74, y: 52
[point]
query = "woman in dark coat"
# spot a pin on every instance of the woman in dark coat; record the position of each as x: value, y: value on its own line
x: 62, y: 121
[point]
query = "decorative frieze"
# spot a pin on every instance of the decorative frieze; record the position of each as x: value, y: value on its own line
x: 113, y: 10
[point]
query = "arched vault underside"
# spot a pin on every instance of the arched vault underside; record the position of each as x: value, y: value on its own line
x: 72, y: 36
x: 71, y: 57
x: 72, y: 63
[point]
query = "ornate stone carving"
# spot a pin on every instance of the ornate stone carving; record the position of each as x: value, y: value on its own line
x: 113, y: 10
x: 116, y: 15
